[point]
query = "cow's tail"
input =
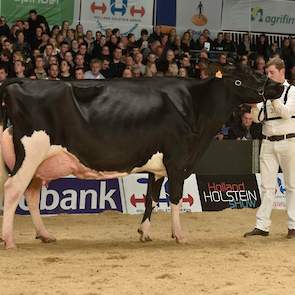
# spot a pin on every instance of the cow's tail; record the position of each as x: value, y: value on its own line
x: 3, y: 114
x: 3, y: 126
x: 3, y: 171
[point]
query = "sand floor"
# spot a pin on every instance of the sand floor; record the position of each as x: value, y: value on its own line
x: 101, y: 254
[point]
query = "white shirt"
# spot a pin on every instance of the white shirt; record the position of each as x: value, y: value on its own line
x: 90, y: 75
x: 277, y: 108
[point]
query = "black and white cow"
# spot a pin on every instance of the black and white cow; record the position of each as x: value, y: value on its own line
x: 105, y: 129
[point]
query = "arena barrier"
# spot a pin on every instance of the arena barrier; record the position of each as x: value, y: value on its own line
x: 127, y: 195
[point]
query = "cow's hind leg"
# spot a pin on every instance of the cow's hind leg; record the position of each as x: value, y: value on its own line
x: 176, y: 182
x: 32, y: 195
x: 151, y: 201
x: 35, y: 148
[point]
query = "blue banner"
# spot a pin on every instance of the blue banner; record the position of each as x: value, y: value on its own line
x: 75, y: 196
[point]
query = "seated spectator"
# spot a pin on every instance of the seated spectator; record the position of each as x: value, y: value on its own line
x: 200, y: 43
x: 150, y: 70
x: 5, y: 60
x: 79, y: 61
x: 245, y: 129
x: 260, y: 65
x: 39, y: 70
x: 79, y: 74
x: 218, y: 42
x: 228, y: 44
x: 262, y: 46
x: 105, y: 68
x: 172, y: 70
x: 138, y: 58
x: 19, y: 69
x: 94, y: 73
x: 116, y: 66
x: 4, y: 28
x: 21, y: 45
x: 187, y: 43
x: 44, y: 42
x: 244, y: 60
x: 36, y: 38
x: 65, y: 71
x: 245, y: 47
x: 53, y: 72
x: 127, y: 73
x: 185, y: 62
x: 156, y: 35
x: 273, y: 50
x: 129, y: 62
x: 89, y: 40
x: 221, y: 61
x: 182, y: 72
x: 3, y: 74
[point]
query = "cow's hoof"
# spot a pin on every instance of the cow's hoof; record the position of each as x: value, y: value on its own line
x: 144, y: 237
x: 9, y: 246
x: 46, y: 239
x: 180, y: 239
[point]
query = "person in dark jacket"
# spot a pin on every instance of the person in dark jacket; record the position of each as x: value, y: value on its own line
x: 4, y: 28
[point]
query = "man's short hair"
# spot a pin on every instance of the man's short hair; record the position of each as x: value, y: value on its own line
x: 95, y: 61
x: 3, y: 68
x: 33, y: 11
x: 277, y: 62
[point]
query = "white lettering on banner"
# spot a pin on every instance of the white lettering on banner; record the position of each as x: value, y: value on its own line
x: 230, y: 196
x: 55, y: 200
x: 84, y: 194
x: 69, y: 199
x: 42, y: 2
x: 72, y: 199
x: 106, y: 197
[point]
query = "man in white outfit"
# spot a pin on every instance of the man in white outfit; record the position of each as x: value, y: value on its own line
x: 277, y: 150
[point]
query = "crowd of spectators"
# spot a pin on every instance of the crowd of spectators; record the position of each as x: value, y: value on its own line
x: 29, y: 48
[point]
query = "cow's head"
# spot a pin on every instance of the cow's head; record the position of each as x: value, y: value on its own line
x: 251, y: 87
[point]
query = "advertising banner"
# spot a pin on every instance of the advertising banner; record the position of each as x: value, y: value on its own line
x: 280, y: 198
x: 130, y: 16
x: 218, y: 192
x: 55, y: 11
x: 75, y: 196
x: 135, y: 187
x: 198, y: 15
x: 259, y: 16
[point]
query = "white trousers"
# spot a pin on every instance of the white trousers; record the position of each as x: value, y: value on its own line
x: 272, y: 155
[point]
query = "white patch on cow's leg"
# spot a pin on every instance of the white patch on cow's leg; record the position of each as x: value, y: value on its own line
x: 36, y: 148
x: 177, y: 232
x: 32, y: 195
x: 3, y: 172
x: 145, y: 231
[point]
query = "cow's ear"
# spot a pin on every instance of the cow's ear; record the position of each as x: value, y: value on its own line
x: 218, y: 74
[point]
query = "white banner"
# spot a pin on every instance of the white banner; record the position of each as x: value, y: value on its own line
x: 199, y: 15
x: 259, y: 16
x: 130, y: 16
x: 135, y: 188
x: 280, y: 198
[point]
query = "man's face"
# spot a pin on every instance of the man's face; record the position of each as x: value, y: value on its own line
x: 276, y: 75
x: 105, y: 64
x: 3, y: 75
x: 79, y: 75
x: 95, y: 68
x: 79, y: 60
x: 18, y: 67
x: 39, y: 62
x: 54, y: 71
x: 247, y: 120
x: 117, y: 54
x: 33, y: 16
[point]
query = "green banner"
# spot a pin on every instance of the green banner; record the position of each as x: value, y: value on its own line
x: 55, y: 11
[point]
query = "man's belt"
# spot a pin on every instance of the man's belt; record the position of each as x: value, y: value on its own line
x: 278, y: 137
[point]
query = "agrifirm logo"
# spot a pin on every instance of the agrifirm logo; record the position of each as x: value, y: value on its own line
x: 38, y: 2
x: 258, y: 15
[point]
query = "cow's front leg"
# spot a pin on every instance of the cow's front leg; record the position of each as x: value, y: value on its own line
x: 35, y: 150
x: 151, y: 201
x: 176, y: 182
x: 32, y: 195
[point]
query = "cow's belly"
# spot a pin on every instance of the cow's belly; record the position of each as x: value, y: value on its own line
x: 59, y: 163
